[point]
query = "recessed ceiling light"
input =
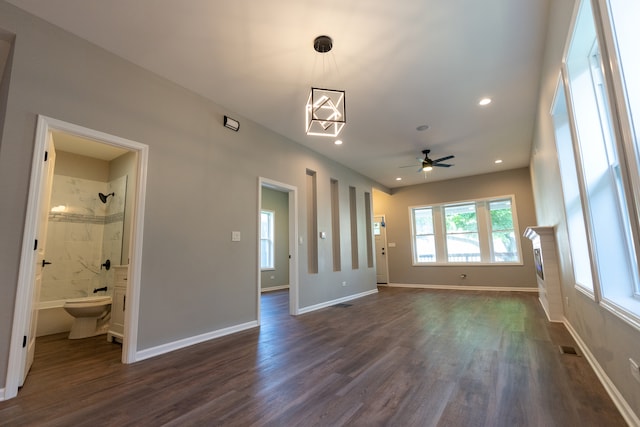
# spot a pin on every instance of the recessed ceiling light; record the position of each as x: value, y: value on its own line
x: 497, y: 162
x: 422, y: 128
x: 398, y: 179
x: 485, y: 101
x: 338, y: 142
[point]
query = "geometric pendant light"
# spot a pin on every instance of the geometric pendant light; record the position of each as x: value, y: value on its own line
x: 325, y: 112
x: 325, y: 109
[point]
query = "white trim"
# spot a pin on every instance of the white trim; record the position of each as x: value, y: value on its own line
x: 21, y: 317
x: 186, y: 342
x: 622, y: 313
x: 468, y: 264
x: 625, y: 410
x: 274, y: 288
x: 21, y: 313
x: 337, y: 301
x: 292, y: 191
x: 484, y: 230
x: 546, y: 312
x: 465, y: 288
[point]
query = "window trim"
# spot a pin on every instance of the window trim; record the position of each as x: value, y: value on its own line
x: 562, y: 86
x: 272, y: 239
x: 484, y: 232
x: 623, y: 142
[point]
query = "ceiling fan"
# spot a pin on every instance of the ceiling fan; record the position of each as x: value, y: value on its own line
x: 428, y: 164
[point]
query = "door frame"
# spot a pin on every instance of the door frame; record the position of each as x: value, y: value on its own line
x: 386, y: 258
x: 23, y: 304
x: 292, y: 191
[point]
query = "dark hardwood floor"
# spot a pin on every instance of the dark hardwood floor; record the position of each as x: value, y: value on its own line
x: 401, y: 357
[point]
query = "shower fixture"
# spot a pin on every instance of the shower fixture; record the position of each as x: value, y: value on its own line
x: 103, y: 197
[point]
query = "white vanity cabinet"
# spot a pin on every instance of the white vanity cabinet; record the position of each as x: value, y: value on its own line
x: 119, y: 303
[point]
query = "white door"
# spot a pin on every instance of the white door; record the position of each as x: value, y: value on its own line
x: 49, y: 159
x: 379, y: 231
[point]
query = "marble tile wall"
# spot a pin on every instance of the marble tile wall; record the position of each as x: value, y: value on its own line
x: 82, y: 234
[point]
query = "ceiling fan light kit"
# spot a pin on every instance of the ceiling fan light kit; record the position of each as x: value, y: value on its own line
x: 428, y: 164
x: 325, y: 112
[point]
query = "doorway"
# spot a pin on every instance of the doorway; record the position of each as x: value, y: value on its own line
x: 380, y: 233
x: 277, y: 257
x: 52, y: 134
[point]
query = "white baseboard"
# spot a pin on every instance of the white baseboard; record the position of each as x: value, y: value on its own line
x: 274, y: 288
x: 186, y: 342
x: 464, y: 288
x: 625, y: 410
x: 336, y: 301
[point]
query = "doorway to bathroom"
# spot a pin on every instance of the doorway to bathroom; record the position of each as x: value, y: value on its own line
x: 84, y: 213
x: 277, y: 237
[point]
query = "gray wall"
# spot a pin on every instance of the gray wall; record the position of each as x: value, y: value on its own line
x: 278, y: 202
x: 395, y: 207
x: 202, y: 184
x: 611, y: 341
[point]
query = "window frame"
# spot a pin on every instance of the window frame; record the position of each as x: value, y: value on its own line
x: 572, y: 165
x: 484, y: 231
x: 414, y: 234
x: 621, y: 300
x: 271, y: 240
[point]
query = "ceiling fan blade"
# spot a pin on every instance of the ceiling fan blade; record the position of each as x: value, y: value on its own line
x: 442, y: 165
x: 442, y: 159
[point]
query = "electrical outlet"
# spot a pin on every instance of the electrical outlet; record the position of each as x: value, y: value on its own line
x: 566, y: 301
x: 635, y: 370
x: 344, y: 283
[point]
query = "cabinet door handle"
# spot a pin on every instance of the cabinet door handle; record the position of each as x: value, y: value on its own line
x: 124, y: 302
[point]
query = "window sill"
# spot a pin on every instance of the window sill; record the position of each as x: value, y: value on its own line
x: 468, y: 264
x: 630, y: 317
x: 267, y: 269
x: 585, y: 291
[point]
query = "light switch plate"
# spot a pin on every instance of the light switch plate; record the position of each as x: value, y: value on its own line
x: 235, y: 236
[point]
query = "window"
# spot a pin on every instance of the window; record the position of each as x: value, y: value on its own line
x: 463, y: 242
x: 603, y: 181
x: 503, y: 236
x: 623, y: 18
x: 576, y: 228
x: 267, y: 238
x: 481, y: 231
x: 424, y: 247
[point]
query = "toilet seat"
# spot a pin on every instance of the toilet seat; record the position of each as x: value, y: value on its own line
x: 87, y: 301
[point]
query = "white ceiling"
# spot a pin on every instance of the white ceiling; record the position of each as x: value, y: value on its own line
x: 402, y: 64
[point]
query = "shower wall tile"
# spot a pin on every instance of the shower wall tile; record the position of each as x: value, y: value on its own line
x: 82, y: 234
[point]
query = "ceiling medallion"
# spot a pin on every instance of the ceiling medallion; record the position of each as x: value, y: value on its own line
x: 325, y: 109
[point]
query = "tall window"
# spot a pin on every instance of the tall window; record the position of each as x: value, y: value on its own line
x: 424, y: 241
x: 481, y: 231
x: 503, y: 236
x: 623, y: 19
x: 602, y: 181
x: 623, y: 16
x: 463, y: 242
x: 267, y: 237
x: 576, y: 227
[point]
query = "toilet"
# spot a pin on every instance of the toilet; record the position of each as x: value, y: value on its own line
x: 91, y: 316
